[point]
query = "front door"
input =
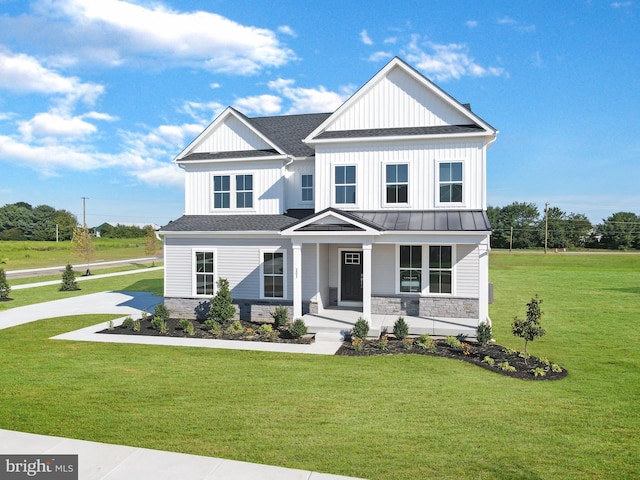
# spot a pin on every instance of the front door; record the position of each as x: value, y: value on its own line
x: 351, y: 276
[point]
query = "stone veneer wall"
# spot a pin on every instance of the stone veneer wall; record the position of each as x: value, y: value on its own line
x: 258, y: 311
x: 446, y: 307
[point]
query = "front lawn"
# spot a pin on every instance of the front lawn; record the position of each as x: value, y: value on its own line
x: 386, y: 417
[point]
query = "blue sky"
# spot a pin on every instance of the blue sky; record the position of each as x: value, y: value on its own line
x: 98, y: 97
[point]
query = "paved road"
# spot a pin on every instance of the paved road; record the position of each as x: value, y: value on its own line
x: 35, y: 272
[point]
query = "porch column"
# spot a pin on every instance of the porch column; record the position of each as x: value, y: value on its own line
x: 366, y: 282
x: 297, y: 280
x: 483, y: 281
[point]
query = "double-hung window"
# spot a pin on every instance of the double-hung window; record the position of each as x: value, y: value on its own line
x: 204, y: 272
x: 273, y: 275
x: 307, y: 188
x: 410, y: 268
x: 440, y: 269
x: 345, y: 183
x: 397, y: 183
x: 451, y: 182
x: 221, y: 191
x: 244, y: 191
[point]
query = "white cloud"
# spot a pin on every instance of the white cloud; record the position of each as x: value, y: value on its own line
x: 259, y: 104
x: 24, y: 74
x: 365, y: 38
x: 621, y: 4
x: 287, y: 30
x: 306, y: 100
x: 390, y: 40
x: 54, y: 125
x: 203, y: 113
x: 471, y: 23
x: 445, y: 62
x: 516, y: 25
x: 116, y: 30
x: 380, y: 56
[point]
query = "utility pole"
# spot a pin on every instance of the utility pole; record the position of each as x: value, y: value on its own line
x: 84, y: 211
x: 546, y: 226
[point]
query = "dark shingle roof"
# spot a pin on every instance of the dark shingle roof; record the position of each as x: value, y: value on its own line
x: 288, y: 131
x: 229, y: 155
x: 229, y: 223
x: 394, y: 132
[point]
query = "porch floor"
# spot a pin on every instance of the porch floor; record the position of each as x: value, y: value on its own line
x: 337, y: 322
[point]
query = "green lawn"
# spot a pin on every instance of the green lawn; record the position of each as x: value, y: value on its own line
x: 19, y: 255
x: 402, y: 417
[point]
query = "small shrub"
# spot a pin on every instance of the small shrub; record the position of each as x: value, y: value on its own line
x: 183, y: 323
x: 216, y: 329
x: 136, y: 325
x: 465, y: 348
x: 538, y: 372
x: 357, y: 343
x: 69, y: 283
x: 155, y: 322
x: 161, y: 311
x: 453, y: 343
x: 5, y: 289
x: 280, y: 316
x: 110, y: 326
x: 222, y: 309
x: 504, y: 366
x: 425, y: 342
x: 266, y: 330
x: 360, y: 328
x: 235, y: 328
x: 298, y: 328
x: 383, y: 343
x: 524, y: 355
x: 249, y: 332
x: 556, y: 368
x: 407, y: 343
x: 209, y: 324
x: 144, y: 315
x: 162, y: 328
x: 509, y: 351
x: 400, y: 329
x: 127, y: 322
x: 483, y: 333
x: 488, y: 360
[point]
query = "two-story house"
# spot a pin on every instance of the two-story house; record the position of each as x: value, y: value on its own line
x: 379, y: 207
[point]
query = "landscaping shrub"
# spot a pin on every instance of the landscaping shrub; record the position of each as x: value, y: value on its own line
x: 453, y: 343
x: 191, y: 330
x: 267, y: 330
x: 136, y: 325
x: 183, y: 323
x: 400, y: 329
x: 280, y: 316
x: 483, y: 333
x: 161, y: 311
x: 407, y: 343
x: 506, y: 367
x: 5, y: 289
x: 156, y: 322
x: 488, y: 360
x: 298, y: 328
x: 222, y: 309
x: 357, y: 343
x: 235, y: 328
x: 69, y: 280
x: 529, y: 329
x: 425, y: 342
x: 360, y: 329
x: 127, y: 322
x: 383, y: 343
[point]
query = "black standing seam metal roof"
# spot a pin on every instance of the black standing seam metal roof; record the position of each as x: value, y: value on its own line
x: 419, y: 221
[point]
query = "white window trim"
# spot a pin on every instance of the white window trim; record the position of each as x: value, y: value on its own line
x: 425, y: 264
x: 194, y: 282
x: 397, y: 270
x: 383, y: 176
x: 232, y: 192
x: 313, y: 189
x: 436, y: 175
x: 333, y: 186
x: 284, y: 273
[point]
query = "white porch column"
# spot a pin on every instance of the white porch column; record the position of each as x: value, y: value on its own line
x: 366, y: 282
x: 483, y: 281
x: 297, y: 280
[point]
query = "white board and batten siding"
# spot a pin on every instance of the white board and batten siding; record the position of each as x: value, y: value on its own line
x: 238, y: 260
x: 398, y: 100
x: 232, y: 135
x: 423, y: 159
x: 268, y: 187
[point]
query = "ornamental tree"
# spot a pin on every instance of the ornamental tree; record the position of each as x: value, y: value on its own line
x: 530, y: 328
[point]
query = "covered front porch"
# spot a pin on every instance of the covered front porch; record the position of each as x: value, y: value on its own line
x: 336, y: 323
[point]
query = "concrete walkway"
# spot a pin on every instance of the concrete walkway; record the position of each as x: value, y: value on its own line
x: 82, y: 279
x: 101, y: 461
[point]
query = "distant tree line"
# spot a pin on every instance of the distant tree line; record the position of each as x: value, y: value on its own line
x: 522, y: 225
x: 122, y: 231
x: 21, y: 221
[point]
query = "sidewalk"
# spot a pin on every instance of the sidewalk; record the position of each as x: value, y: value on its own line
x: 82, y: 278
x: 102, y: 461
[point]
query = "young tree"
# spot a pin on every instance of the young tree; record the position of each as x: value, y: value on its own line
x: 69, y: 280
x: 151, y: 243
x: 5, y: 289
x: 222, y: 309
x: 83, y: 245
x: 530, y: 328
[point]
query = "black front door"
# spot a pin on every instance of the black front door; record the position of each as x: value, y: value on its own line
x: 351, y: 277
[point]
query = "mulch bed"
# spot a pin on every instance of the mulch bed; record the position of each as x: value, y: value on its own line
x: 476, y: 353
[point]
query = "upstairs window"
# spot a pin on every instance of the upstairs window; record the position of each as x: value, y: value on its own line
x: 244, y: 191
x: 345, y: 181
x: 307, y: 188
x: 451, y: 182
x: 397, y: 181
x: 440, y: 269
x: 410, y: 268
x: 221, y: 191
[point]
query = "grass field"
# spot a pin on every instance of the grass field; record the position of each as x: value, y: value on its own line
x: 403, y: 417
x: 19, y: 255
